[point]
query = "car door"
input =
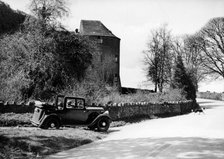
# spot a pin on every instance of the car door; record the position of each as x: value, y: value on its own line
x: 75, y: 112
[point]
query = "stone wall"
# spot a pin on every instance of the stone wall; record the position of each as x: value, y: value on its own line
x: 222, y: 96
x: 13, y: 107
x: 128, y: 110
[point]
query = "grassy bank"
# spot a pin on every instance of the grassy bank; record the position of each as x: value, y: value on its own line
x: 14, y: 119
x: 31, y: 142
x: 20, y: 140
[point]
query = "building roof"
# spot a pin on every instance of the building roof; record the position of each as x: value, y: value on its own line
x: 94, y: 27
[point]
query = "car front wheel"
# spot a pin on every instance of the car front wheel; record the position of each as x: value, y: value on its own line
x: 52, y: 124
x: 103, y: 124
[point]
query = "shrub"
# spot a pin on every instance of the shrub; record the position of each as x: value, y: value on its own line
x: 33, y: 65
x: 91, y: 90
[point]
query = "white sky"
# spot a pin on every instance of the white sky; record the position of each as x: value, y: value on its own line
x: 133, y: 20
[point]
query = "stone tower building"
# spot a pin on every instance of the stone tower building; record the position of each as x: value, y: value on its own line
x: 108, y: 46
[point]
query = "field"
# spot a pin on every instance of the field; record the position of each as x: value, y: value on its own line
x: 211, y: 95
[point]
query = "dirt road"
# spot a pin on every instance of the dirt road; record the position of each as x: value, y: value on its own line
x: 187, y: 136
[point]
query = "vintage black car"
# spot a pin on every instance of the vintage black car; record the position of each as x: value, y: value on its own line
x: 70, y: 111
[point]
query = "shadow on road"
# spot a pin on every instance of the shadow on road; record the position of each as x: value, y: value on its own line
x: 211, y: 104
x: 149, y: 148
x: 204, y: 102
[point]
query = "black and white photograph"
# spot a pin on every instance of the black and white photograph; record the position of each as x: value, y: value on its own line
x: 111, y: 79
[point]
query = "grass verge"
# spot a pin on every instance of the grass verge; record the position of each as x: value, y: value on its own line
x: 14, y: 119
x: 20, y: 140
x: 31, y: 142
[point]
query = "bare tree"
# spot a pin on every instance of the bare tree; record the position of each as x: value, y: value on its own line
x: 187, y: 48
x: 193, y: 59
x: 158, y: 57
x: 48, y: 11
x: 211, y: 41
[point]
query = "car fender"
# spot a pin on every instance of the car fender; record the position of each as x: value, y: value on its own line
x: 46, y: 117
x: 104, y: 115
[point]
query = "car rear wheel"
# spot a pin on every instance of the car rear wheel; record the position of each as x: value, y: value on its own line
x: 52, y: 123
x: 103, y: 124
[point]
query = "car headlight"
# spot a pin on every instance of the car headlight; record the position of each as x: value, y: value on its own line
x: 106, y: 112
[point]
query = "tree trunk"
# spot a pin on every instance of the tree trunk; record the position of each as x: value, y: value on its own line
x: 160, y: 87
x: 155, y: 87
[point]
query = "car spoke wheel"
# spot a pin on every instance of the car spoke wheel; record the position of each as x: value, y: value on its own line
x: 53, y: 124
x: 103, y: 124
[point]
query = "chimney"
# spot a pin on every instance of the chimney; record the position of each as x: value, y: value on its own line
x: 76, y: 31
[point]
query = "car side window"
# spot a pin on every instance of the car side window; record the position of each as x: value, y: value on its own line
x: 80, y: 104
x: 60, y: 106
x: 70, y: 104
x: 75, y: 104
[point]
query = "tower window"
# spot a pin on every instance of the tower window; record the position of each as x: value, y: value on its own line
x: 99, y: 40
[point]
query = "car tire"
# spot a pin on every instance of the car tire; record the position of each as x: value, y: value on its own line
x: 103, y: 124
x: 52, y: 123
